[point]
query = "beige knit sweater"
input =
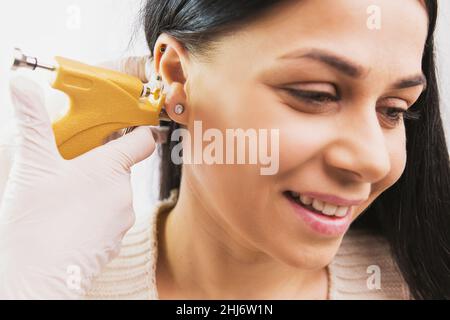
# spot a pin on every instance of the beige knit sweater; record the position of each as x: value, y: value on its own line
x: 132, y: 274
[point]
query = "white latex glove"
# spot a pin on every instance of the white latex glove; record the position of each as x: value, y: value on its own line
x: 8, y: 133
x: 62, y: 221
x: 140, y: 67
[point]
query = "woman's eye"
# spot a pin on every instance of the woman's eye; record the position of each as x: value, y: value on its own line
x: 316, y: 97
x: 394, y: 115
x: 397, y: 115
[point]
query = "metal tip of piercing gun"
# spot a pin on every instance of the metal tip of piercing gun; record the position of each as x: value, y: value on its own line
x: 102, y: 102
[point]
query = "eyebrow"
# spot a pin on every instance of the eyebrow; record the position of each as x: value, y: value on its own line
x: 418, y: 80
x: 350, y: 68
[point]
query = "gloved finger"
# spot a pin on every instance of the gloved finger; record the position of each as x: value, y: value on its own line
x: 161, y: 134
x: 35, y: 129
x: 129, y: 149
x: 139, y: 67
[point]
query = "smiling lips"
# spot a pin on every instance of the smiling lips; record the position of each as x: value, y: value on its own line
x: 329, y: 219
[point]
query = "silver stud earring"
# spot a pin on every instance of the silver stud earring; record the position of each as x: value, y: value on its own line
x: 179, y: 109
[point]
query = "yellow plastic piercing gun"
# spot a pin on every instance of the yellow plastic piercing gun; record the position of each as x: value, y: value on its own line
x: 102, y: 102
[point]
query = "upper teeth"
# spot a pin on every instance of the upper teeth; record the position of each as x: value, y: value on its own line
x: 322, y: 206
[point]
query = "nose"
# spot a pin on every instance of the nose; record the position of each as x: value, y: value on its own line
x: 360, y: 149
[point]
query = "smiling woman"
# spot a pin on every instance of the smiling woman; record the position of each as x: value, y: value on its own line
x: 363, y: 184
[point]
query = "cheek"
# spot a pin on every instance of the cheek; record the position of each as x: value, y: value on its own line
x: 227, y: 106
x: 238, y: 194
x: 301, y: 140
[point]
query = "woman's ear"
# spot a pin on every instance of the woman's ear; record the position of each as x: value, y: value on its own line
x: 171, y: 63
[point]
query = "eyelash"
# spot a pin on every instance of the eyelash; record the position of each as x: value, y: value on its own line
x: 404, y: 114
x: 316, y: 97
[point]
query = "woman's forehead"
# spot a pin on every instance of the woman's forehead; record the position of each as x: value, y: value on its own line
x: 340, y: 26
x: 336, y: 19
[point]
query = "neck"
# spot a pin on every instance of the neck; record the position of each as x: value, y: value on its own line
x: 201, y: 258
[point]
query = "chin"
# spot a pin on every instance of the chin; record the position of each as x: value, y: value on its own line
x: 310, y: 256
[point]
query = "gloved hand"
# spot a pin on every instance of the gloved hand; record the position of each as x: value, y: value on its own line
x: 140, y: 67
x: 62, y: 221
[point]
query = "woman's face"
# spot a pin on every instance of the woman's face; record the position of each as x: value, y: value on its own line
x: 324, y: 75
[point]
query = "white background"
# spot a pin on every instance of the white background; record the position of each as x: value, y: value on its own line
x: 100, y: 30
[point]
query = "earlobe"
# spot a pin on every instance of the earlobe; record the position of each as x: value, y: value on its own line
x: 176, y: 107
